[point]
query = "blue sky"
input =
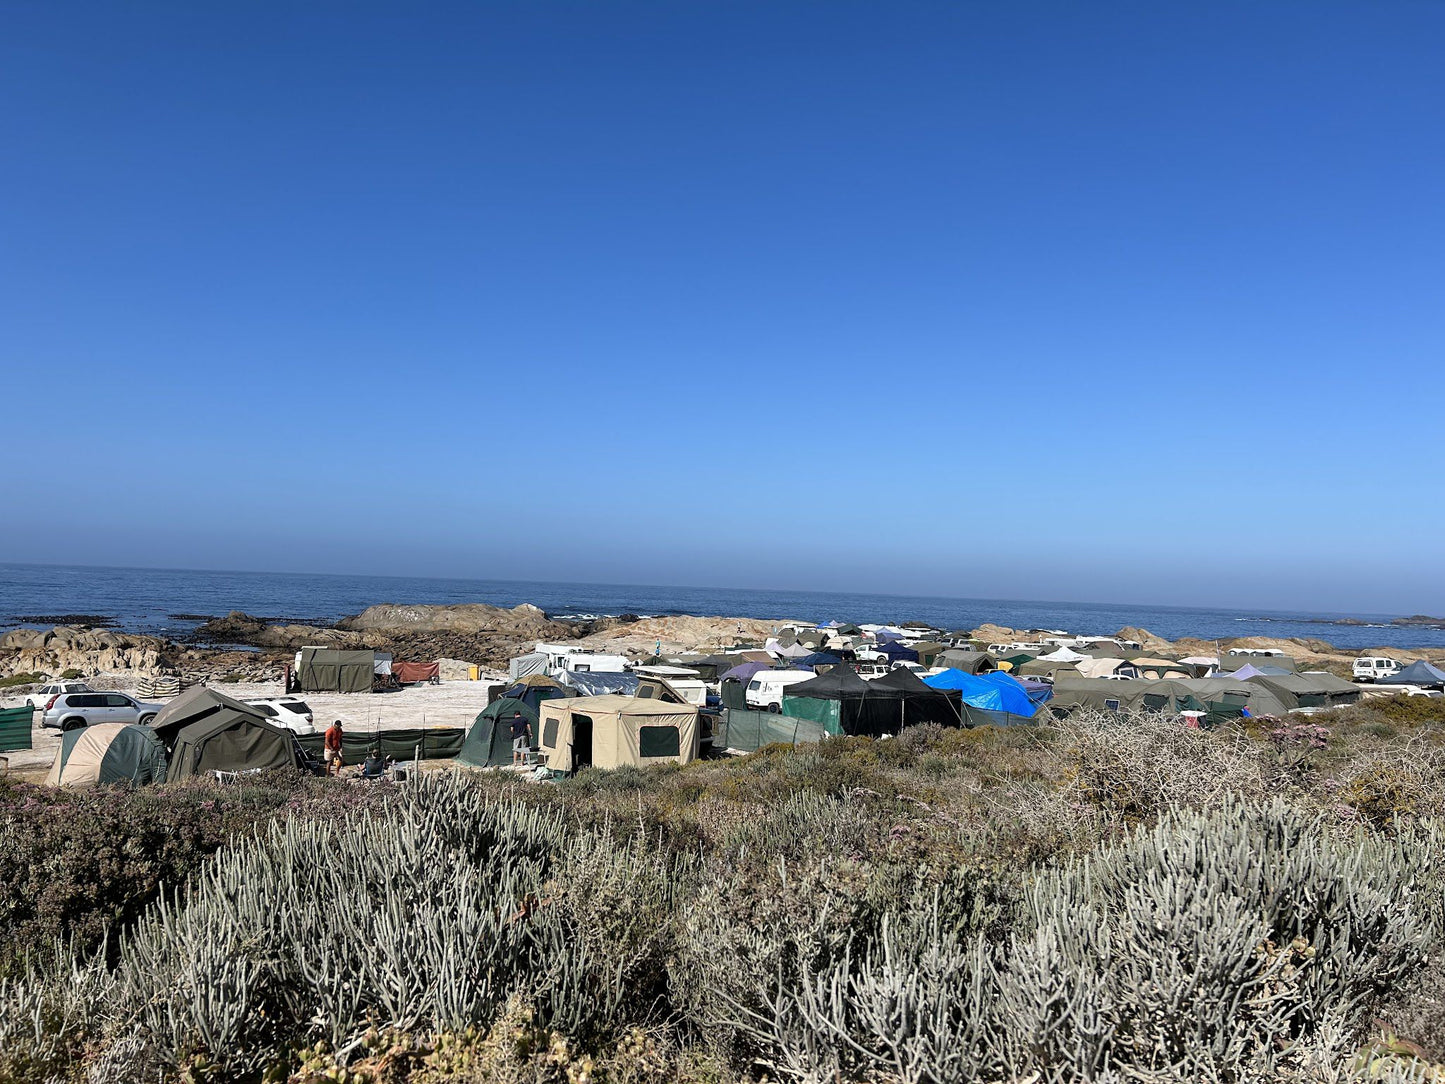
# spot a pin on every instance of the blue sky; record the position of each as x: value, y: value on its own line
x: 977, y: 299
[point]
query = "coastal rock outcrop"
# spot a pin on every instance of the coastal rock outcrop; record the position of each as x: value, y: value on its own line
x: 240, y: 628
x: 68, y: 647
x: 526, y: 620
x: 679, y: 634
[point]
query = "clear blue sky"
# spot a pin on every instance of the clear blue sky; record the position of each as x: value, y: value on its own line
x: 967, y: 299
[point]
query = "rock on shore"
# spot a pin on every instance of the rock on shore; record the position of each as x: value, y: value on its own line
x: 67, y: 647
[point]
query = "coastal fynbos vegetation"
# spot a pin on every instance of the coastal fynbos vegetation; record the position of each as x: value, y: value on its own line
x: 1109, y: 899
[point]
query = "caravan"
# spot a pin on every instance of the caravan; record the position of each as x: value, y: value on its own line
x: 562, y: 657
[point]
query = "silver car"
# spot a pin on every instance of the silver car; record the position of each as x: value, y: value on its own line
x: 70, y: 711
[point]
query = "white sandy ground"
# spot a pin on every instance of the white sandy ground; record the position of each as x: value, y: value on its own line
x: 452, y: 703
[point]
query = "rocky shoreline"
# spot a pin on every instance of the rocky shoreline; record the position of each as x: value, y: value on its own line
x: 243, y: 647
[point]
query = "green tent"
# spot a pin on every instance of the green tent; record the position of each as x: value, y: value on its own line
x: 108, y: 753
x: 1221, y: 698
x: 195, y: 704
x: 225, y: 743
x: 970, y: 662
x: 489, y: 742
x: 328, y: 670
x: 1309, y: 690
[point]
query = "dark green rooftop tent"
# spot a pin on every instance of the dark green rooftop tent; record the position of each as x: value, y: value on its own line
x: 489, y: 742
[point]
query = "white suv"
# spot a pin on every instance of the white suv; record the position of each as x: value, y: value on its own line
x: 294, y: 715
x: 71, y: 711
x: 38, y: 698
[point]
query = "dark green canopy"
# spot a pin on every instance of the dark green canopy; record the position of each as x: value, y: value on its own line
x: 489, y: 743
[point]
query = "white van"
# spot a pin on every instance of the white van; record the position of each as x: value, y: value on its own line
x: 765, y: 691
x: 1374, y: 667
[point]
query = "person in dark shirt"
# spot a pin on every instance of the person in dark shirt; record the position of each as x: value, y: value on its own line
x: 521, y: 733
x: 374, y: 766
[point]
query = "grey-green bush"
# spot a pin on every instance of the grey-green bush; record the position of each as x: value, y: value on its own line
x: 1211, y: 947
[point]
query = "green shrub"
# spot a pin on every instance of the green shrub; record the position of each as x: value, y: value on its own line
x: 70, y: 673
x: 21, y: 679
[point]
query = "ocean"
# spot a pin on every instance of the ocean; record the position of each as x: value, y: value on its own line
x: 170, y: 603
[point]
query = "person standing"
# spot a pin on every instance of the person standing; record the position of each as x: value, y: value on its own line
x: 332, y: 748
x: 521, y: 734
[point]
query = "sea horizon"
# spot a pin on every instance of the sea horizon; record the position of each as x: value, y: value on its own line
x: 152, y: 600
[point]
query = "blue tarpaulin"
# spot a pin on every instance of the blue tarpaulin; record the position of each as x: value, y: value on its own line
x: 817, y: 658
x: 994, y: 691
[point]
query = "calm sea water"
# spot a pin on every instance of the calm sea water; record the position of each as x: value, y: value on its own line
x: 144, y: 600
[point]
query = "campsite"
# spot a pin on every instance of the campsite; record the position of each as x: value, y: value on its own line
x: 906, y: 777
x: 676, y: 890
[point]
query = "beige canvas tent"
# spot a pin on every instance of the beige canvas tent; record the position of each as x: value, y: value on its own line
x: 108, y: 753
x: 609, y: 731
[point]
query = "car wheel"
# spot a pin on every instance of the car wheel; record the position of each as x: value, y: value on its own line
x: 775, y: 708
x: 146, y: 720
x: 73, y: 723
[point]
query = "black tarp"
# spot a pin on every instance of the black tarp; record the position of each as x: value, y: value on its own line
x: 919, y: 703
x: 862, y: 708
x: 433, y: 743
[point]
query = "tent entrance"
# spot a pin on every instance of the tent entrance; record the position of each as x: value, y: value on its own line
x: 581, y: 742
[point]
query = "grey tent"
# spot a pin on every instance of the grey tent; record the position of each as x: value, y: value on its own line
x: 220, y: 743
x: 328, y: 670
x: 1417, y: 673
x: 522, y: 665
x: 108, y: 753
x: 489, y: 742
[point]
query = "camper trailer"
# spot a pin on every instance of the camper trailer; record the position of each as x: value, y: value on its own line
x: 564, y: 657
x: 686, y: 681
